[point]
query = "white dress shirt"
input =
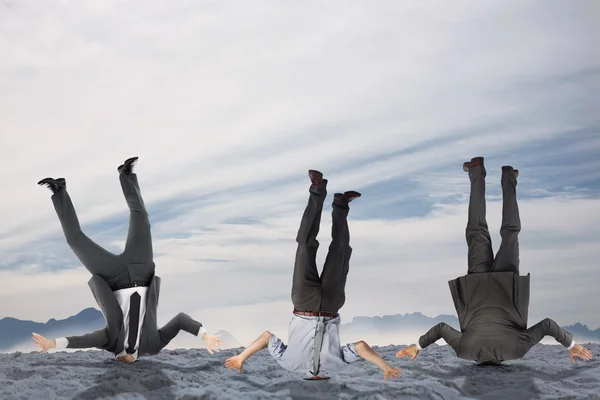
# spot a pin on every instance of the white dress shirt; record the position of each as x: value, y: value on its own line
x: 123, y: 297
x: 299, y: 354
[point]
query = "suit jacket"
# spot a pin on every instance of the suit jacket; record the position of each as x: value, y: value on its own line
x: 492, y: 310
x: 112, y: 337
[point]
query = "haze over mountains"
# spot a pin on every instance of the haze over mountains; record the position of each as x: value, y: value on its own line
x: 377, y: 330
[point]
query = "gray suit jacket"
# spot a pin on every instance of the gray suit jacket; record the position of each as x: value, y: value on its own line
x: 112, y: 337
x: 492, y: 310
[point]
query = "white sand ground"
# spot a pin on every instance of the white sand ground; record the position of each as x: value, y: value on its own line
x: 545, y: 373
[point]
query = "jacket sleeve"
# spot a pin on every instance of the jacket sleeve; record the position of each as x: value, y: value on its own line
x: 441, y: 331
x: 96, y: 339
x: 178, y: 323
x: 545, y: 327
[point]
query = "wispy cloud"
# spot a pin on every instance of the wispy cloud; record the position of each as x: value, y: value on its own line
x: 228, y: 105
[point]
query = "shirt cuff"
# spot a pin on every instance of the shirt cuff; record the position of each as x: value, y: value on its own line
x: 201, y: 332
x: 572, y: 345
x: 62, y: 343
x: 419, y: 346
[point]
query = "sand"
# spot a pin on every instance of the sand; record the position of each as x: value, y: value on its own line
x: 546, y: 372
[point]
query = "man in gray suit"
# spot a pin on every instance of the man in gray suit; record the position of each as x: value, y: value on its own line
x: 314, y: 346
x: 124, y: 286
x: 492, y: 300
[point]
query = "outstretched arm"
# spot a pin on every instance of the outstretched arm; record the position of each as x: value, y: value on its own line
x: 440, y: 331
x: 365, y: 351
x: 237, y: 362
x: 548, y: 327
x: 96, y: 339
x: 184, y: 322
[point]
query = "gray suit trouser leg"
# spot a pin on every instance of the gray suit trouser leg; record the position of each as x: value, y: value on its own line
x: 306, y: 283
x: 480, y: 256
x: 311, y: 292
x: 138, y: 254
x: 135, y: 263
x: 337, y: 263
x: 507, y: 258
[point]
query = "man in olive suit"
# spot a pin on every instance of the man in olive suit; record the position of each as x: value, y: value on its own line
x: 492, y: 300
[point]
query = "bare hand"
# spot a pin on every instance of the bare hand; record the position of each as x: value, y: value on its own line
x: 235, y: 362
x: 411, y: 351
x: 390, y: 372
x: 581, y: 352
x: 212, y: 342
x: 43, y: 343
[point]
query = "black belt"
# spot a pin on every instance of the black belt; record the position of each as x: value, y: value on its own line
x: 132, y: 284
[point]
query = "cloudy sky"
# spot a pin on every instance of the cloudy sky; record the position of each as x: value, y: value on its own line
x: 228, y: 104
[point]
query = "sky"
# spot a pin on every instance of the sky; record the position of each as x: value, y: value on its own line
x: 228, y: 104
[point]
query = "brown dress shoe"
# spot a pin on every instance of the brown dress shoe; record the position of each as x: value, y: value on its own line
x: 347, y: 197
x: 315, y: 176
x: 475, y: 162
x: 507, y: 168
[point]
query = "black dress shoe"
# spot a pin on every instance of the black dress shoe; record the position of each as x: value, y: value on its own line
x: 127, y: 166
x: 346, y: 197
x: 53, y: 184
x: 475, y: 162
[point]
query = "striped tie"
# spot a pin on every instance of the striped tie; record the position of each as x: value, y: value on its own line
x: 318, y: 345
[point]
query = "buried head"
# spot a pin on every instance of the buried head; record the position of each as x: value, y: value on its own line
x: 128, y: 358
x: 317, y: 378
x: 486, y: 357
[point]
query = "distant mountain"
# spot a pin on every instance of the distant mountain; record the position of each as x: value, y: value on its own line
x: 389, y: 325
x: 387, y: 329
x: 582, y: 333
x: 14, y: 332
x: 228, y: 340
